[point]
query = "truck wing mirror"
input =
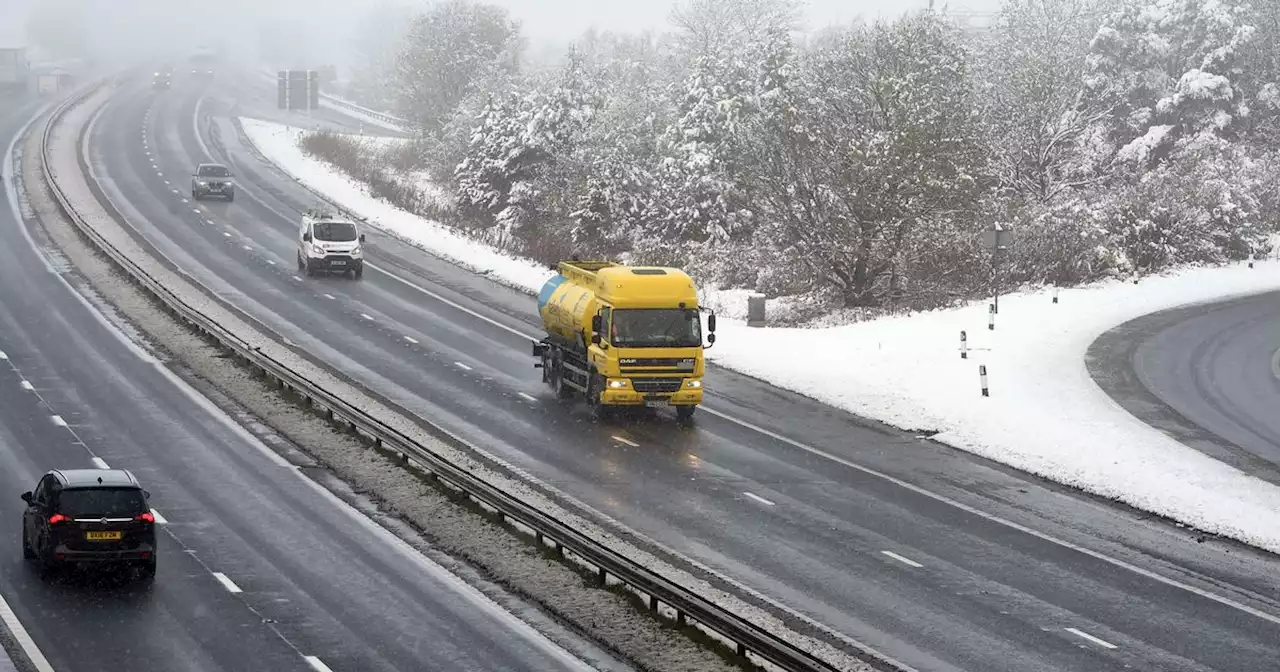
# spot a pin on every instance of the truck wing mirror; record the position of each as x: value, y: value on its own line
x: 362, y: 237
x: 306, y: 237
x: 597, y: 323
x: 711, y: 340
x: 711, y: 324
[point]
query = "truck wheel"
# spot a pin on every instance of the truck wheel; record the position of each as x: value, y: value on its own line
x: 557, y: 380
x: 595, y: 390
x: 685, y: 413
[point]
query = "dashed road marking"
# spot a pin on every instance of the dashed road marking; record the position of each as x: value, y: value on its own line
x: 1084, y: 635
x: 227, y: 583
x: 168, y: 182
x: 271, y: 261
x: 903, y: 560
x: 57, y: 420
x: 367, y: 316
x: 100, y: 463
x: 411, y: 339
x: 195, y: 210
x: 628, y: 442
x: 331, y: 297
x: 316, y: 664
x: 3, y: 356
x: 530, y: 397
x: 26, y: 385
x: 462, y: 366
x: 160, y: 520
x: 183, y: 200
x: 250, y: 249
x: 758, y: 498
x: 226, y: 233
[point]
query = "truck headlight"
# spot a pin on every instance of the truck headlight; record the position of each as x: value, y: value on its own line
x: 693, y: 384
x: 618, y: 384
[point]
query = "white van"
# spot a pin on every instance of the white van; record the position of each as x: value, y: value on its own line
x: 330, y: 243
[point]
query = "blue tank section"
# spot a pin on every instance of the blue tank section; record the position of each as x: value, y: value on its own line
x: 548, y: 289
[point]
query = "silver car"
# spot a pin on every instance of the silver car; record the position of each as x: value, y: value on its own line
x: 212, y: 179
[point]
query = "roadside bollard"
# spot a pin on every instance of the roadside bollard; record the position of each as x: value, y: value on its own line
x: 1055, y: 294
x: 982, y: 375
x: 964, y: 346
x: 991, y: 316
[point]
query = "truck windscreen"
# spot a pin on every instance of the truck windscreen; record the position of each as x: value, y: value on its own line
x: 656, y: 328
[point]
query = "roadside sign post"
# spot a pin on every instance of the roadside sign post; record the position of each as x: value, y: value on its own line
x: 998, y: 239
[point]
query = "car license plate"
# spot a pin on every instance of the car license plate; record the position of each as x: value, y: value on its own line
x: 339, y: 263
x: 657, y: 403
x: 102, y: 536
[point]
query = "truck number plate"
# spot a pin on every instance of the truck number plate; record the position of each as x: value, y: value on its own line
x: 657, y: 403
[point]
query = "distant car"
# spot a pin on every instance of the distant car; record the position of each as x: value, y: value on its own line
x: 90, y: 516
x: 161, y: 80
x: 330, y: 243
x: 213, y: 179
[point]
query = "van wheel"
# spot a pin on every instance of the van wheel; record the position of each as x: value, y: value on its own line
x: 301, y: 265
x: 359, y: 273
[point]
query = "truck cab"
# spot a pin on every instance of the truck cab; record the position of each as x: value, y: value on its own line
x: 330, y: 243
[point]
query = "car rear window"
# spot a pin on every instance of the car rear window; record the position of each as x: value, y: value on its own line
x: 101, y: 503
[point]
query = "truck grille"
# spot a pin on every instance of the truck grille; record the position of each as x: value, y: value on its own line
x: 656, y: 365
x: 656, y: 385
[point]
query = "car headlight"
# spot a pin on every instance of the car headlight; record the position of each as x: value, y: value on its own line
x: 693, y: 384
x: 618, y: 384
x: 355, y: 251
x: 203, y: 183
x: 317, y: 251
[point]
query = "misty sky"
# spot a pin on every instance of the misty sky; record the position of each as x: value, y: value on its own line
x: 133, y: 27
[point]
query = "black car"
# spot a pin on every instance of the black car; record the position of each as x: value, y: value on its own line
x: 90, y: 516
x: 212, y: 179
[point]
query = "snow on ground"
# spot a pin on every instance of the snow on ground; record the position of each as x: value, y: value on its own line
x: 280, y: 145
x: 1045, y: 414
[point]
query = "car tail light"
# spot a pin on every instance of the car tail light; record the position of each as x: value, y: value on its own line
x: 146, y: 517
x: 57, y: 518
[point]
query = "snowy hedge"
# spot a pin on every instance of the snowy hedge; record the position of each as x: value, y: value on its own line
x: 858, y: 167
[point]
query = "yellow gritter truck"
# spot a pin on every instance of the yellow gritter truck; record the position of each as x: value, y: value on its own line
x: 623, y: 336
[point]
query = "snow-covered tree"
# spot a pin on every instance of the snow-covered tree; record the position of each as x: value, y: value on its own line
x: 449, y: 54
x: 719, y: 30
x: 884, y: 144
x: 378, y: 41
x: 1033, y: 65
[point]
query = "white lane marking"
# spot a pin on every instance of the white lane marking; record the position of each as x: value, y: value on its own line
x: 990, y: 517
x: 100, y: 463
x: 168, y: 183
x: 296, y: 277
x: 160, y: 520
x: 24, y: 638
x: 331, y: 297
x: 271, y: 261
x: 903, y: 560
x: 462, y: 366
x: 628, y: 442
x: 1095, y: 640
x: 26, y: 385
x: 316, y: 664
x: 57, y: 420
x: 247, y: 247
x: 758, y: 498
x: 3, y: 356
x: 530, y: 397
x: 195, y: 210
x: 227, y: 583
x: 184, y: 200
x: 226, y: 233
x: 411, y: 339
x: 367, y: 316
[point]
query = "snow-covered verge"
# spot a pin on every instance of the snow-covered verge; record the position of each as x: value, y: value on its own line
x: 279, y: 144
x: 1045, y: 414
